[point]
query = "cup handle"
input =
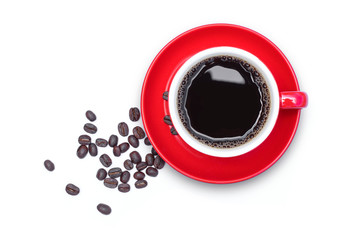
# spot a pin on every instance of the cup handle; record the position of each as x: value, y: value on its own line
x: 293, y: 100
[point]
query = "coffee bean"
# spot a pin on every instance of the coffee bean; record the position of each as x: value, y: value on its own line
x: 158, y: 162
x: 125, y: 176
x: 82, y: 151
x: 100, y: 142
x: 141, y: 166
x: 90, y: 128
x: 113, y: 140
x: 139, y: 175
x: 101, y: 174
x: 124, y: 187
x: 167, y: 120
x: 49, y: 165
x: 84, y: 139
x: 105, y: 160
x: 123, y: 129
x: 140, y: 183
x: 110, y: 182
x: 128, y: 165
x: 72, y: 189
x: 153, y: 151
x: 147, y: 141
x: 117, y: 151
x: 134, y: 142
x: 165, y: 95
x: 149, y: 159
x: 90, y: 115
x: 173, y: 131
x: 93, y: 149
x: 135, y: 157
x: 152, y: 172
x: 134, y: 114
x: 104, y: 209
x: 138, y: 132
x: 115, y: 172
x: 124, y: 147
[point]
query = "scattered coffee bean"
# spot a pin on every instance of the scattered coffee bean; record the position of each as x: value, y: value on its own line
x: 101, y: 174
x: 124, y: 147
x: 152, y: 172
x: 173, y: 131
x: 123, y: 129
x: 128, y: 165
x: 138, y: 132
x: 100, y: 142
x: 141, y: 166
x: 153, y: 151
x: 115, y: 172
x: 134, y: 114
x: 90, y: 128
x: 140, y: 183
x: 149, y: 159
x: 93, y: 149
x: 105, y: 160
x: 167, y: 120
x: 158, y: 162
x: 82, y: 151
x: 49, y: 165
x: 134, y: 142
x: 125, y: 176
x: 135, y: 157
x: 84, y: 139
x: 139, y: 175
x: 90, y: 115
x: 110, y: 182
x: 116, y: 151
x: 124, y: 187
x: 72, y: 189
x: 113, y: 140
x: 147, y: 141
x: 104, y: 209
x: 165, y: 95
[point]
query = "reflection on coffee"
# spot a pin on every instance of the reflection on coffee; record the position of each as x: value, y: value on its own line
x: 223, y: 101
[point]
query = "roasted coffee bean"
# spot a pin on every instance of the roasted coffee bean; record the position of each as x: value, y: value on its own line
x: 49, y: 165
x: 139, y: 175
x: 104, y: 209
x: 116, y: 151
x: 128, y: 165
x: 124, y: 147
x: 134, y: 142
x: 101, y: 174
x: 173, y: 131
x: 115, y: 172
x: 141, y: 166
x: 93, y: 149
x: 90, y: 115
x: 100, y: 142
x: 123, y: 129
x: 158, y: 162
x: 110, y: 182
x: 138, y: 132
x: 149, y: 159
x: 124, y: 187
x: 72, y: 189
x: 140, y: 183
x: 147, y: 141
x: 113, y: 140
x: 167, y: 120
x: 105, y: 160
x: 90, y: 128
x: 125, y: 176
x: 82, y: 151
x: 153, y: 151
x: 84, y: 139
x: 135, y: 157
x: 152, y: 172
x: 166, y: 95
x: 134, y: 114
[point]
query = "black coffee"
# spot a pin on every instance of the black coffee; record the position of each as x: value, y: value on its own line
x: 223, y: 101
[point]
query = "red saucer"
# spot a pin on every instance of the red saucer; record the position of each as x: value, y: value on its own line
x: 172, y: 148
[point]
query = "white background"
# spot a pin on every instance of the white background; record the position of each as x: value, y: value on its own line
x: 61, y: 58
